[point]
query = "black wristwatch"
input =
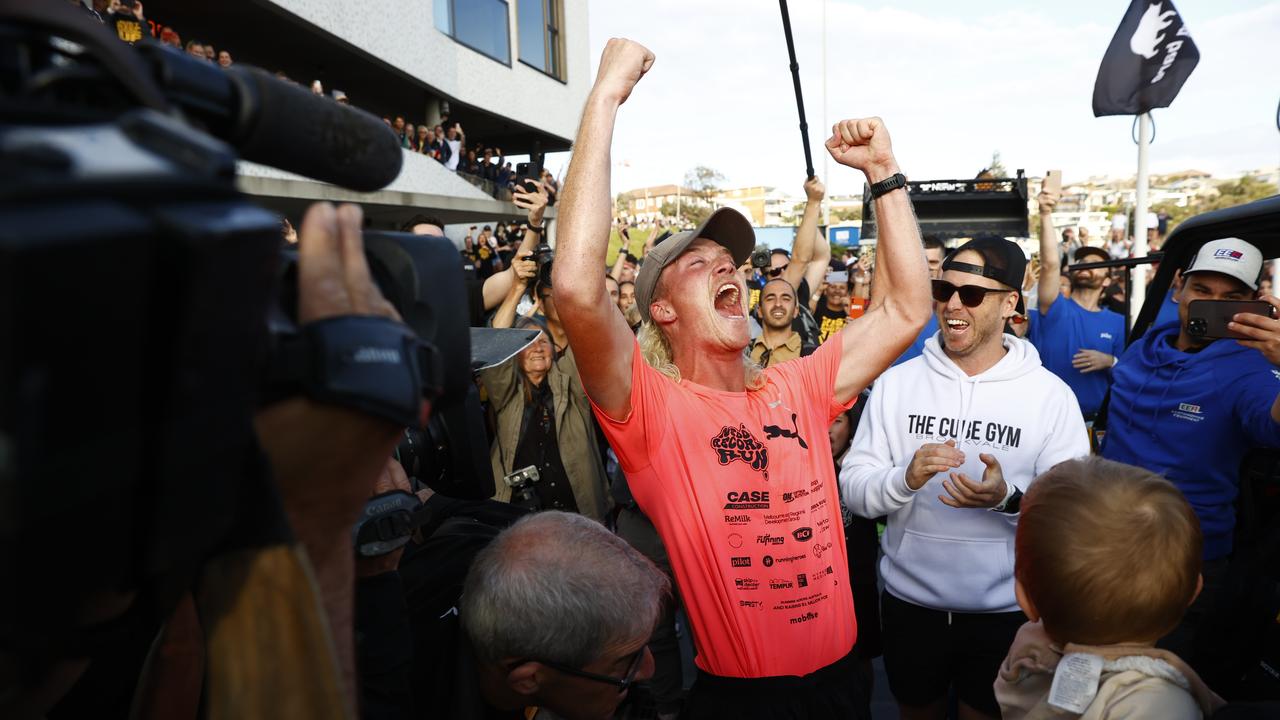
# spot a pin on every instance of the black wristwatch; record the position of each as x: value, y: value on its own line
x: 1012, y: 505
x: 889, y: 184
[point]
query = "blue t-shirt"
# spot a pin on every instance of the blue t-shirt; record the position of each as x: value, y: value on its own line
x: 917, y: 345
x: 1168, y: 311
x: 1192, y: 417
x: 1067, y: 329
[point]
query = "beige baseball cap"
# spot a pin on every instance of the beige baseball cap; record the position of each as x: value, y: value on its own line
x: 726, y: 226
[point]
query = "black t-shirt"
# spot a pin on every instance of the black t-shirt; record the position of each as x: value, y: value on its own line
x: 830, y: 321
x: 538, y: 447
x: 128, y: 27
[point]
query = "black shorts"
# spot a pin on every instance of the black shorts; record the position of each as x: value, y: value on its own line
x: 835, y: 691
x: 926, y: 652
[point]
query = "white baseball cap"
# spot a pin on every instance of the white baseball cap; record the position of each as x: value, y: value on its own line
x: 1229, y: 256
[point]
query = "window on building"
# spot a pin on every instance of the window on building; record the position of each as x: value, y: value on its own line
x: 482, y: 25
x: 540, y: 42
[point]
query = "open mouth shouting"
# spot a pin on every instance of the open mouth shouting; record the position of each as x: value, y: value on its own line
x: 729, y: 301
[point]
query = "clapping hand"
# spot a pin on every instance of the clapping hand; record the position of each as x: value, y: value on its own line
x: 967, y: 493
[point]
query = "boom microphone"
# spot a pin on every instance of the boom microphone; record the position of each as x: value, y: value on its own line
x: 277, y: 123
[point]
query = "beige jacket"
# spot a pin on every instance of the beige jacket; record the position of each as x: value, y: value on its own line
x: 574, y: 431
x: 1137, y: 682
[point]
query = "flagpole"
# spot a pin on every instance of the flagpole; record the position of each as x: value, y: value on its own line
x: 1138, y: 283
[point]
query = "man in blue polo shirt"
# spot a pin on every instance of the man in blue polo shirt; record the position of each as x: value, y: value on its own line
x: 1077, y: 338
x: 1190, y: 408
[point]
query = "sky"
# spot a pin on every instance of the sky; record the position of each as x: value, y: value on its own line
x: 953, y: 80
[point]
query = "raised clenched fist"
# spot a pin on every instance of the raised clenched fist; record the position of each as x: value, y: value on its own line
x: 622, y: 65
x: 863, y: 144
x: 814, y: 190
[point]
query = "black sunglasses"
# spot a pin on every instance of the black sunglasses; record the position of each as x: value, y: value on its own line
x: 970, y: 295
x: 622, y: 683
x: 775, y: 272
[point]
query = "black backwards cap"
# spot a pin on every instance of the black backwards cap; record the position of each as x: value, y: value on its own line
x: 1002, y: 261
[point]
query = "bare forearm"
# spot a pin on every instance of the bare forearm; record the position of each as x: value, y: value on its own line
x: 584, y: 214
x: 506, y: 315
x: 901, y: 280
x: 802, y: 249
x: 1050, y: 264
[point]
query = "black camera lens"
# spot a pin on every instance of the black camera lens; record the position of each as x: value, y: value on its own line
x: 1197, y: 327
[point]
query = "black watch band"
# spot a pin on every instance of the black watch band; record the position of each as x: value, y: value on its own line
x: 889, y: 184
x: 1013, y: 505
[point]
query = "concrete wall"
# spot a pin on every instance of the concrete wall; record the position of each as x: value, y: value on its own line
x: 403, y: 34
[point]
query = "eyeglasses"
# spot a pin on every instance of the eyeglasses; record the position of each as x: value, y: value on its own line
x: 775, y: 272
x: 970, y: 295
x: 622, y: 683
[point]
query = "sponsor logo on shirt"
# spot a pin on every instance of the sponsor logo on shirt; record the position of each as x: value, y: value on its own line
x: 739, y: 444
x: 820, y: 504
x: 770, y: 539
x: 822, y: 573
x: 802, y: 580
x: 803, y: 534
x: 790, y: 558
x: 775, y: 431
x: 740, y: 561
x: 815, y: 485
x: 752, y: 604
x: 735, y: 540
x: 781, y: 584
x: 811, y: 615
x: 737, y: 519
x: 820, y: 548
x: 1105, y: 336
x: 790, y: 497
x: 1276, y: 373
x: 767, y: 561
x: 747, y: 500
x: 746, y: 583
x: 824, y: 524
x: 783, y: 518
x: 1187, y: 411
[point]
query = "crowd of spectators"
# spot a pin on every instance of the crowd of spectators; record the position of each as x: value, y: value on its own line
x: 564, y: 604
x: 444, y: 141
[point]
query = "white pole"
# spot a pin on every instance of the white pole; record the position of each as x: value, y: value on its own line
x: 826, y: 157
x: 1138, y: 292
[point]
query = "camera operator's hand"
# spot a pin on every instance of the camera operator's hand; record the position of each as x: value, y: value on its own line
x: 1264, y: 332
x: 966, y: 493
x: 814, y: 190
x: 325, y: 458
x: 392, y: 478
x: 931, y: 459
x: 622, y: 65
x: 535, y: 203
x: 863, y: 144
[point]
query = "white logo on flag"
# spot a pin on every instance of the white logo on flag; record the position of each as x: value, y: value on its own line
x: 1146, y: 39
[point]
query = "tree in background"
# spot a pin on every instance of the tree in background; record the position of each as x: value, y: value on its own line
x: 704, y: 182
x: 996, y: 168
x: 1230, y: 194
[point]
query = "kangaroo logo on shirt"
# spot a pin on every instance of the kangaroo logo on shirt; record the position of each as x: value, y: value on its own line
x: 739, y: 444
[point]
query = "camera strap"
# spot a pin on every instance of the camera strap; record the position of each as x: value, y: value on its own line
x: 388, y: 521
x: 368, y: 363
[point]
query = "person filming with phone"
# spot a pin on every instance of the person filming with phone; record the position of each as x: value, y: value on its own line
x: 1192, y: 397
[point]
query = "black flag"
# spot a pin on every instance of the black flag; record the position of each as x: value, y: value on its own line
x: 1148, y: 60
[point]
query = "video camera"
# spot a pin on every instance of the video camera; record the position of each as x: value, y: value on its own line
x: 147, y: 310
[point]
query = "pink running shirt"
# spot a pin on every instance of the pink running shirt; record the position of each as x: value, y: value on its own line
x: 742, y: 490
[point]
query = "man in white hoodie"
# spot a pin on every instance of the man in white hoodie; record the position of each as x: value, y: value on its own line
x: 977, y: 404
